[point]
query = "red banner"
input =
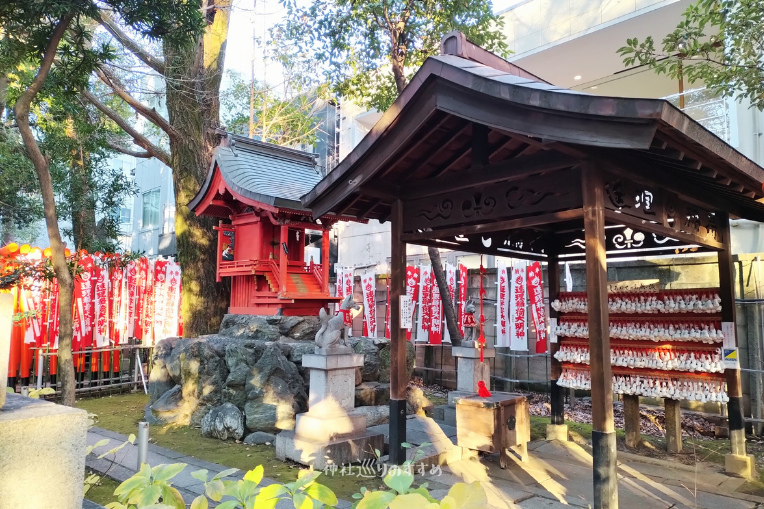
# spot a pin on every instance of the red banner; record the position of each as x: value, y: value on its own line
x: 536, y: 298
x: 436, y: 315
x: 369, y: 285
x: 462, y: 294
x: 426, y: 300
x: 101, y: 306
x: 132, y: 280
x: 412, y: 290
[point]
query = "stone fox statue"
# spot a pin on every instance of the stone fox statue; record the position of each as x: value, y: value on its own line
x: 333, y: 327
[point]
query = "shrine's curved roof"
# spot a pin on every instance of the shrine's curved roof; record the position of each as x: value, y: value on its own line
x: 261, y: 172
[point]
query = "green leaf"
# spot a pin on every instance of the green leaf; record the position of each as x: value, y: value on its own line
x: 306, y: 479
x: 255, y: 475
x: 131, y: 438
x: 409, y: 501
x: 225, y: 473
x: 269, y: 494
x: 172, y: 497
x: 10, y: 390
x: 321, y: 493
x: 135, y: 482
x: 167, y: 472
x: 115, y: 505
x: 406, y: 445
x: 200, y: 502
x: 145, y: 471
x: 399, y: 480
x: 468, y: 496
x: 376, y: 500
x: 200, y: 475
x: 422, y: 490
x: 146, y: 496
x: 300, y: 501
x: 101, y: 443
x: 214, y: 489
x: 229, y: 504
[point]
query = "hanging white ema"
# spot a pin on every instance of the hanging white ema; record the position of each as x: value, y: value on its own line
x: 502, y: 306
x: 517, y: 311
x: 406, y: 312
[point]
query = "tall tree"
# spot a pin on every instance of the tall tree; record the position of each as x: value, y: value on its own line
x: 190, y: 69
x: 718, y: 42
x: 54, y: 36
x: 372, y: 49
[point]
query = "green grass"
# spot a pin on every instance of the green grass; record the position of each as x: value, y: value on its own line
x: 103, y: 492
x: 122, y: 412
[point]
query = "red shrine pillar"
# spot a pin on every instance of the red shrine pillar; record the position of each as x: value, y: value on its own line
x: 283, y: 262
x: 325, y: 261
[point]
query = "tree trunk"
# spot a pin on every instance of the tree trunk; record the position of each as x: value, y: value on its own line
x: 60, y: 267
x: 84, y: 229
x: 194, y: 112
x: 445, y: 296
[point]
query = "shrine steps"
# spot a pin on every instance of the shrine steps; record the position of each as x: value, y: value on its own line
x: 297, y: 283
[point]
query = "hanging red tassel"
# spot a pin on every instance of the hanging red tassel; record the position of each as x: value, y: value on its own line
x: 481, y: 338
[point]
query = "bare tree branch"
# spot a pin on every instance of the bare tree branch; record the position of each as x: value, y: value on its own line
x: 123, y: 150
x: 111, y: 26
x: 138, y: 138
x: 149, y: 114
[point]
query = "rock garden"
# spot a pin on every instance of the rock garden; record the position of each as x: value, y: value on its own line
x: 247, y: 382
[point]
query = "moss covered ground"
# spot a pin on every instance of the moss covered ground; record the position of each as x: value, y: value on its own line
x: 122, y: 412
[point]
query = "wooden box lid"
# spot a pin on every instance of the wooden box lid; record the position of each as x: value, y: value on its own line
x: 497, y: 399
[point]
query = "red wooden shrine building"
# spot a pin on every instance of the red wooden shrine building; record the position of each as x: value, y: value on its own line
x: 255, y: 189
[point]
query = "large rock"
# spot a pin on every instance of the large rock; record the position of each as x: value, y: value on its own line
x: 275, y: 392
x: 260, y: 438
x: 168, y: 407
x: 160, y: 380
x: 270, y: 328
x: 372, y: 394
x: 370, y: 368
x: 242, y: 353
x: 300, y: 349
x: 384, y: 362
x: 223, y: 422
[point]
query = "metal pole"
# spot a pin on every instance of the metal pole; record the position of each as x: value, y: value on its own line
x: 40, y: 365
x: 140, y: 367
x: 143, y: 443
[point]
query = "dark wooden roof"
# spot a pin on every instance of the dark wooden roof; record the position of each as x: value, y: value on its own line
x: 261, y: 172
x: 460, y: 123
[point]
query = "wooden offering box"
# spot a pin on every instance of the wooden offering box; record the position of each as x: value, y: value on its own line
x: 496, y: 423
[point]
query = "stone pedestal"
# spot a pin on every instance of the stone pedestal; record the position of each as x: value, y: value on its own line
x: 740, y: 466
x: 42, y: 454
x: 469, y: 369
x: 331, y: 431
x: 557, y: 432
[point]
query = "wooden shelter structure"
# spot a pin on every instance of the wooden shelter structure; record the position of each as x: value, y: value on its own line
x: 255, y: 188
x: 478, y: 155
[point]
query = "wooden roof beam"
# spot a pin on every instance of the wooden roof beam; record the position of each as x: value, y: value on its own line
x: 416, y: 144
x: 511, y: 169
x: 363, y: 212
x: 349, y: 205
x: 438, y: 148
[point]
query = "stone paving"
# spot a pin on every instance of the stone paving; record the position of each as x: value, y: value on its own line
x: 557, y: 475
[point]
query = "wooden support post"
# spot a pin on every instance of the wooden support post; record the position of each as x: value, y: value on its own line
x: 673, y: 425
x: 557, y: 392
x: 631, y: 420
x: 283, y: 262
x: 398, y: 380
x: 556, y: 430
x: 325, y: 261
x: 603, y: 435
x: 737, y: 462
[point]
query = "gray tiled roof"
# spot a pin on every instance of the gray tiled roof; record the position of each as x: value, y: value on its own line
x: 263, y: 172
